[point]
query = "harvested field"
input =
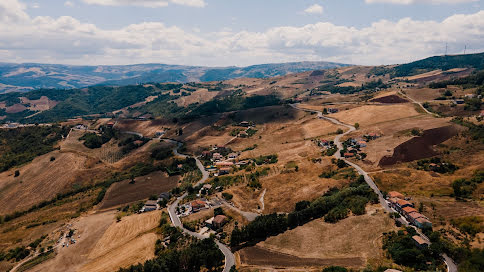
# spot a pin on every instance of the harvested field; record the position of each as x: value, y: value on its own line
x: 420, y: 147
x: 15, y: 108
x: 373, y: 114
x: 354, y: 241
x: 42, y: 179
x: 123, y: 192
x: 390, y: 99
x: 262, y: 257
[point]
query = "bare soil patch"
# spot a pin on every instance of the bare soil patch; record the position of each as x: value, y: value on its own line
x: 153, y: 184
x: 15, y: 108
x: 262, y: 257
x: 391, y: 99
x: 420, y: 147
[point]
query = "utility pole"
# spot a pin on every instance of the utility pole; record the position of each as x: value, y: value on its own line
x: 465, y: 48
x: 446, y: 47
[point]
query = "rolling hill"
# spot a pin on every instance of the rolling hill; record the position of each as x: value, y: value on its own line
x: 30, y: 76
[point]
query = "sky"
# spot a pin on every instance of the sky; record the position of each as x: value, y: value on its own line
x: 237, y: 32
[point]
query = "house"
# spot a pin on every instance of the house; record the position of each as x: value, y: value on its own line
x: 165, y: 195
x: 209, y: 222
x: 458, y: 101
x: 244, y: 124
x: 159, y: 133
x: 110, y: 124
x: 469, y: 95
x: 323, y: 143
x: 224, y: 164
x: 420, y: 242
x: 198, y: 205
x: 217, y: 156
x: 242, y: 163
x: 206, y: 154
x: 409, y: 210
x: 400, y: 204
x: 219, y: 221
x: 232, y: 156
x: 349, y: 155
x: 423, y: 223
x: 138, y: 142
x: 332, y: 110
x: 224, y: 171
x: 362, y: 143
x: 394, y: 194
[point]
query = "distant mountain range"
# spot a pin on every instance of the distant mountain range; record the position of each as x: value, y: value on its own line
x: 31, y: 76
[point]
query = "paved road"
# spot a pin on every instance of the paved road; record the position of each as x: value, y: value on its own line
x: 229, y: 256
x: 451, y: 266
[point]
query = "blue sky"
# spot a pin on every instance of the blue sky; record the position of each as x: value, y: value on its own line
x: 230, y: 32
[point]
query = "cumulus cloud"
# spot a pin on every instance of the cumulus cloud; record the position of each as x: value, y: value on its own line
x: 69, y: 4
x: 68, y: 40
x: 314, y: 9
x: 408, y: 2
x: 147, y: 3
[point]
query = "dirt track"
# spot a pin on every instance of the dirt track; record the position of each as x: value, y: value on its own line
x: 420, y: 147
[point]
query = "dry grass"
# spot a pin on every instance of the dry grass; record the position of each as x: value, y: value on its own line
x: 200, y: 96
x: 354, y: 237
x: 372, y: 114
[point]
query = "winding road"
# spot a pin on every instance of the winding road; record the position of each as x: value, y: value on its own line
x: 229, y: 256
x: 451, y: 266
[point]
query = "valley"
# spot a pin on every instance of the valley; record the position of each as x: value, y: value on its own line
x: 295, y: 171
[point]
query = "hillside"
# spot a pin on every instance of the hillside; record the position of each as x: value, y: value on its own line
x: 30, y: 76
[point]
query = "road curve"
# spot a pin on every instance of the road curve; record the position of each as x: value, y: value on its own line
x: 229, y: 256
x: 451, y: 266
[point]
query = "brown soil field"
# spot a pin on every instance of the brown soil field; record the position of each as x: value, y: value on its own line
x: 391, y: 99
x: 423, y: 94
x: 373, y: 114
x: 42, y: 179
x: 15, y: 108
x: 257, y: 256
x: 420, y: 147
x: 153, y: 184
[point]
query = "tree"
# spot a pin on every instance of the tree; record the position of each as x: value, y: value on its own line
x: 218, y: 211
x: 17, y: 173
x: 325, y: 111
x: 339, y: 131
x: 341, y: 163
x: 357, y: 125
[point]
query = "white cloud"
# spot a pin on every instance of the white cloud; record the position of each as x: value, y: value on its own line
x: 147, y: 3
x: 70, y: 41
x: 69, y: 4
x: 408, y: 2
x: 314, y: 9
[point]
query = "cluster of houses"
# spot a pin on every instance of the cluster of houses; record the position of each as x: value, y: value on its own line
x: 221, y: 165
x: 352, y: 146
x: 398, y: 202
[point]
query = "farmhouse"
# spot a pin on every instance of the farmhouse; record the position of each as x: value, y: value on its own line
x: 217, y: 156
x: 333, y: 110
x: 400, y: 204
x: 349, y: 155
x: 244, y: 124
x: 165, y: 195
x: 219, y: 221
x: 423, y: 223
x: 150, y: 205
x: 224, y: 171
x: 419, y: 241
x: 198, y: 205
x: 362, y: 143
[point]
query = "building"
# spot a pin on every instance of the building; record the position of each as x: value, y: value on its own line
x: 224, y: 171
x: 482, y: 113
x: 423, y: 223
x: 420, y: 242
x: 362, y: 143
x: 198, y: 205
x: 394, y: 194
x: 400, y: 204
x: 224, y: 164
x: 217, y: 156
x: 110, y: 124
x: 323, y: 143
x: 165, y: 196
x: 349, y: 155
x: 244, y: 124
x: 219, y: 221
x: 232, y: 156
x: 243, y: 134
x: 408, y: 210
x: 150, y: 205
x: 333, y: 110
x: 138, y: 142
x: 206, y: 154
